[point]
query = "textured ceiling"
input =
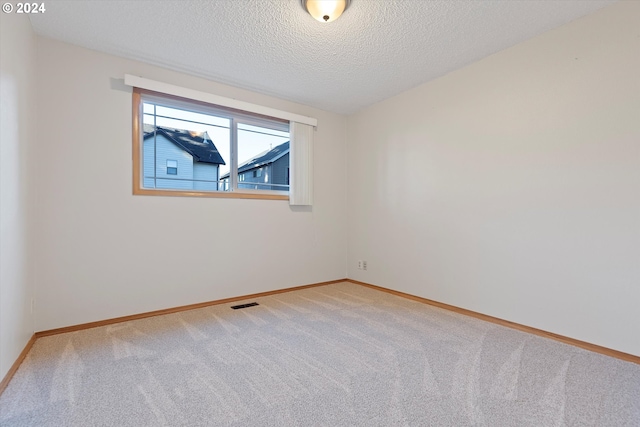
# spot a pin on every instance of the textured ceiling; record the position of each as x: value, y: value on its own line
x: 377, y: 49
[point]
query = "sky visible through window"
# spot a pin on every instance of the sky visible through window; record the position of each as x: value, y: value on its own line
x: 252, y: 140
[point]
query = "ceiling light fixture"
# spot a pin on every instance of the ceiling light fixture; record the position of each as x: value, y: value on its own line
x: 325, y: 10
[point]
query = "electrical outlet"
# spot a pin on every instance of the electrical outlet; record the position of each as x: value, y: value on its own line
x: 359, y: 265
x: 364, y: 265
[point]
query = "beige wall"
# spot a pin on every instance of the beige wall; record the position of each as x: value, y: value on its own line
x: 18, y: 122
x: 104, y: 253
x: 512, y: 187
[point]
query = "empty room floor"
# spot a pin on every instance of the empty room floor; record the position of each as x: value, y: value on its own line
x: 333, y: 355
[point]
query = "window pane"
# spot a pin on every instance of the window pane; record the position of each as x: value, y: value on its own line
x: 257, y: 129
x: 263, y: 158
x: 188, y: 146
x: 184, y: 150
x: 191, y: 116
x: 148, y: 108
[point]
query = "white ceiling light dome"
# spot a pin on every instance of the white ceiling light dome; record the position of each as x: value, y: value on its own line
x: 325, y: 10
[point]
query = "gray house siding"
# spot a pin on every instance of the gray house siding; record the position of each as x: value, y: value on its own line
x: 279, y: 171
x: 205, y: 172
x: 265, y: 173
x: 148, y: 180
x: 187, y: 169
x: 274, y: 173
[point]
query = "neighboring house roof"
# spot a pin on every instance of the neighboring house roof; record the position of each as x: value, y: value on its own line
x: 262, y: 159
x: 199, y: 145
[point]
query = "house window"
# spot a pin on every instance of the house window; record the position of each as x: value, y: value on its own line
x: 220, y: 150
x: 172, y: 167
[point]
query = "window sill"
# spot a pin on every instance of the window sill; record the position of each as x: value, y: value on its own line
x: 211, y: 194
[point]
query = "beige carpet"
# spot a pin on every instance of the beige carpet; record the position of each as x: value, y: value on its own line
x: 337, y: 355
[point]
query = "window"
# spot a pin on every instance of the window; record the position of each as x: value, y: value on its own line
x: 172, y: 167
x: 222, y: 152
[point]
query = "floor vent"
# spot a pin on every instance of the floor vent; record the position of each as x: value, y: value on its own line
x: 251, y: 304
